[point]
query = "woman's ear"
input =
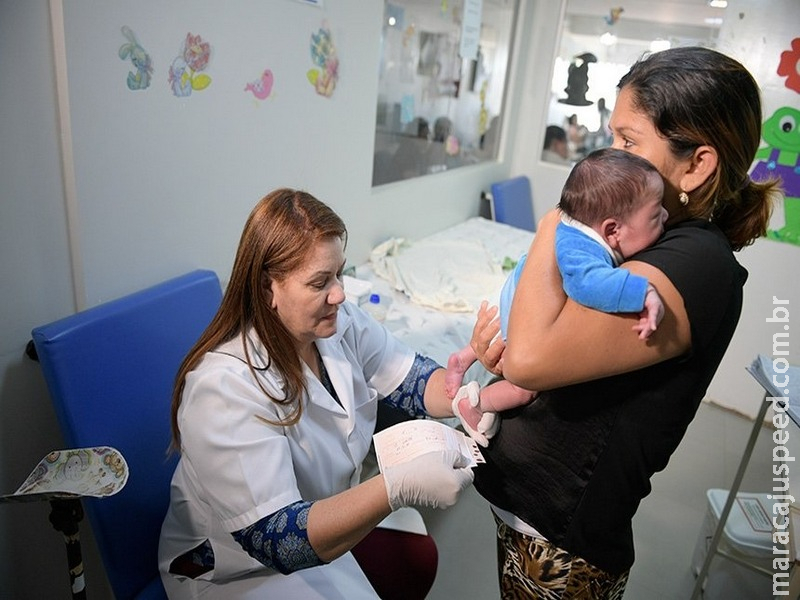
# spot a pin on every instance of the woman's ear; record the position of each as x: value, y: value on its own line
x: 266, y: 287
x: 703, y: 164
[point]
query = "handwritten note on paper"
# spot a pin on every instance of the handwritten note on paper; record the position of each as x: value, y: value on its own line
x: 407, y: 440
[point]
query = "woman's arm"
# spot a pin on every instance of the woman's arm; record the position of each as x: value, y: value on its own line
x: 553, y: 341
x: 434, y: 480
x: 338, y: 523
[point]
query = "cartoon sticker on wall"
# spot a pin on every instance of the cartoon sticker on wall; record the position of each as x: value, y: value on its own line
x: 139, y: 80
x: 185, y: 71
x: 261, y: 88
x: 323, y: 55
x: 781, y: 156
x: 789, y: 66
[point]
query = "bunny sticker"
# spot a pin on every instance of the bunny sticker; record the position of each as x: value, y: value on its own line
x: 139, y: 80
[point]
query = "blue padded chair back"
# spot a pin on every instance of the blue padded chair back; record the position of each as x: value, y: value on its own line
x: 512, y: 203
x: 110, y: 371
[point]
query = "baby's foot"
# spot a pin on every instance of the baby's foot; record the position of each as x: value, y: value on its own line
x: 471, y: 415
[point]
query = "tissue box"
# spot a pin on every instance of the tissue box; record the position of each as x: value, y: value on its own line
x: 356, y: 291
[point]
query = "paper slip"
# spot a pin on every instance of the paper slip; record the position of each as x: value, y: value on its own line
x: 409, y: 439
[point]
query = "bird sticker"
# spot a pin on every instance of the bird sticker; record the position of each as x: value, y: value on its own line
x: 261, y: 88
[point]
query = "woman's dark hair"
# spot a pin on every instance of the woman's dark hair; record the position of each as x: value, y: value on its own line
x: 695, y: 97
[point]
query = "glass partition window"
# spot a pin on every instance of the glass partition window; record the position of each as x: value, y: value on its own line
x: 598, y: 45
x: 441, y: 85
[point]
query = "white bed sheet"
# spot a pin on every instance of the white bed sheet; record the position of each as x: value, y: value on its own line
x: 434, y: 285
x: 452, y: 270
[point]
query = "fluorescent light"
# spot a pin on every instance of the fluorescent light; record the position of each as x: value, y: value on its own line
x: 718, y: 3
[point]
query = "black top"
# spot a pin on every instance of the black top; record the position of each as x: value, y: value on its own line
x: 576, y: 462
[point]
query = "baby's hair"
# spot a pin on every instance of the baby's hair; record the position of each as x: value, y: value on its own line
x: 609, y: 183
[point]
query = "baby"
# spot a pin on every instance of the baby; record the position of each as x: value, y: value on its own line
x: 611, y: 209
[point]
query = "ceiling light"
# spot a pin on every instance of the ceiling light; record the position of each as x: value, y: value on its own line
x: 718, y: 3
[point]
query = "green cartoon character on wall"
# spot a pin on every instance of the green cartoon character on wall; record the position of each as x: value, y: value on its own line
x: 781, y: 158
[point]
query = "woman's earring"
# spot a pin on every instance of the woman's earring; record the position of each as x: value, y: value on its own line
x: 683, y: 198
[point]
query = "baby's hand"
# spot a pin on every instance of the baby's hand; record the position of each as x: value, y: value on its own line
x: 651, y: 315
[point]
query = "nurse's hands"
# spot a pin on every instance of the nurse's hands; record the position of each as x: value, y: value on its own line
x: 480, y: 425
x: 434, y: 479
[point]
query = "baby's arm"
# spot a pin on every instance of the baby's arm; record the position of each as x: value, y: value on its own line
x: 651, y: 314
x: 590, y: 279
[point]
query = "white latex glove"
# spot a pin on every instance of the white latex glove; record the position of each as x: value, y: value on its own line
x: 488, y: 424
x: 434, y: 479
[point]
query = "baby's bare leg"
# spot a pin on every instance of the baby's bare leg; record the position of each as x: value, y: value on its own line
x: 496, y: 397
x: 457, y: 365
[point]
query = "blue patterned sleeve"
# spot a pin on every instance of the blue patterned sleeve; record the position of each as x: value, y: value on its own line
x: 280, y: 540
x: 409, y: 396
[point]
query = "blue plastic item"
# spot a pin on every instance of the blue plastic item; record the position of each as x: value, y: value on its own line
x: 512, y: 203
x: 110, y: 371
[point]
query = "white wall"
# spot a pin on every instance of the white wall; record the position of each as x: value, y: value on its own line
x: 756, y: 39
x: 134, y: 225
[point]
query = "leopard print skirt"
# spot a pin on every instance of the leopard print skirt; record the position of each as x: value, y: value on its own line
x: 531, y: 568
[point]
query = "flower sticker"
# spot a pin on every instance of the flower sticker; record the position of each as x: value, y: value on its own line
x: 184, y: 72
x: 790, y: 66
x: 323, y: 55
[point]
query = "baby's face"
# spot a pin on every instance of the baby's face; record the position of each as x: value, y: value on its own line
x: 644, y: 226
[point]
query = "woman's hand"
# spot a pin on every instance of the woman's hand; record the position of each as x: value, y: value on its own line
x: 485, y: 342
x: 434, y: 479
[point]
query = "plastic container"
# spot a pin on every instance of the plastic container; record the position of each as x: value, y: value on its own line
x: 747, y: 536
x: 375, y: 307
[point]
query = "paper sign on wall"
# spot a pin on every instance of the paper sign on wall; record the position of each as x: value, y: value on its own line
x: 471, y: 29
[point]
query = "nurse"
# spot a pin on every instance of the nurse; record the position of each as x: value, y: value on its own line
x: 273, y: 412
